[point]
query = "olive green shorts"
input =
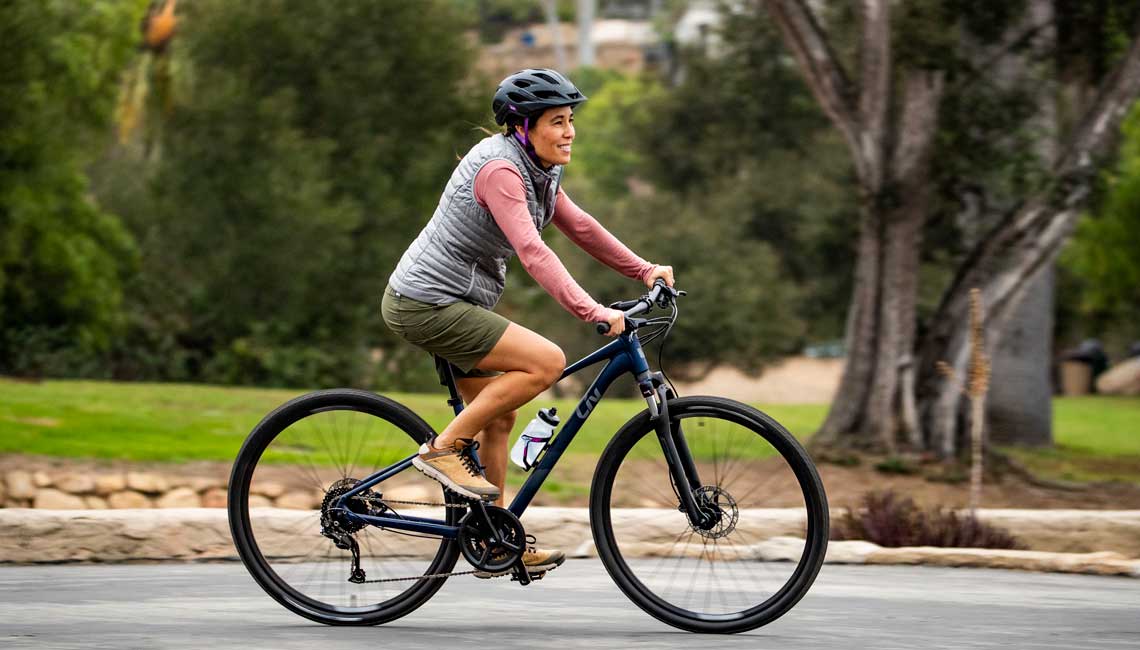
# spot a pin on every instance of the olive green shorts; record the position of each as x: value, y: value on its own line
x: 460, y: 332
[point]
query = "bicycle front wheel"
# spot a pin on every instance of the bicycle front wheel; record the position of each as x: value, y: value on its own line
x: 769, y: 535
x: 283, y: 491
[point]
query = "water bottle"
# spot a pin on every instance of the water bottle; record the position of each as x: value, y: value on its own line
x: 534, y: 438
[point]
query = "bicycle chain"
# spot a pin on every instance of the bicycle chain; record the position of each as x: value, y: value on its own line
x: 431, y: 576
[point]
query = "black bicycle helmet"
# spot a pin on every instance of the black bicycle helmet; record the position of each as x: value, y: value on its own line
x: 529, y: 92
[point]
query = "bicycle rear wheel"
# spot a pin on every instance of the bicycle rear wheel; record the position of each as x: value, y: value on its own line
x: 305, y: 454
x: 770, y: 535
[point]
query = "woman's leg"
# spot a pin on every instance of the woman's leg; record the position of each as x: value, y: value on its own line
x: 494, y: 438
x: 530, y: 364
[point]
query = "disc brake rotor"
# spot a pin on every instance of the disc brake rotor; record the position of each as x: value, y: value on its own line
x: 720, y: 504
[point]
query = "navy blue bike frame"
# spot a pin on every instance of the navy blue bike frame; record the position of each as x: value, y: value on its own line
x: 624, y: 354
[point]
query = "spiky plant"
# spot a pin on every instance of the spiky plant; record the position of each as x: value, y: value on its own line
x: 976, y: 386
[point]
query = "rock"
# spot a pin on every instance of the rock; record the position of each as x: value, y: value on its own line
x: 258, y: 501
x: 95, y: 503
x: 106, y: 484
x: 147, y: 483
x: 28, y: 535
x: 52, y: 499
x: 296, y: 501
x: 177, y: 481
x: 74, y: 483
x: 41, y: 479
x: 128, y: 499
x: 20, y: 485
x: 269, y: 489
x: 1071, y: 531
x: 1121, y: 379
x: 214, y: 498
x: 204, y: 483
x: 182, y: 497
x: 850, y: 552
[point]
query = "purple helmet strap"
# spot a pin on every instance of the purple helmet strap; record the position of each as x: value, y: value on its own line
x: 524, y: 139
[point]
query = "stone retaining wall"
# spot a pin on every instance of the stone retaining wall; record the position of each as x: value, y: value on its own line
x: 132, y: 490
x: 29, y: 535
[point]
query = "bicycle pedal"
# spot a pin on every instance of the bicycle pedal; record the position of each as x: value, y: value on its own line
x: 531, y: 577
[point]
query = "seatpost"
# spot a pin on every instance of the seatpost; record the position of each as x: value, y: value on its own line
x: 456, y: 402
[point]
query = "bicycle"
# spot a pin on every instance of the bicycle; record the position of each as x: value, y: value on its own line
x: 682, y: 547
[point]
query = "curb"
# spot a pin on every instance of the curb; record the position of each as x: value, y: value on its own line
x: 30, y: 536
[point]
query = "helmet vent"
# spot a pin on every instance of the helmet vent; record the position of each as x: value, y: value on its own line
x: 545, y: 77
x: 521, y: 83
x: 548, y: 94
x: 516, y: 97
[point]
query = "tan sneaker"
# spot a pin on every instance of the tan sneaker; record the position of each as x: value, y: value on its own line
x: 456, y: 468
x: 536, y: 560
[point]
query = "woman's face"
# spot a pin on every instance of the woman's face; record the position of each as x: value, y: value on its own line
x: 551, y: 134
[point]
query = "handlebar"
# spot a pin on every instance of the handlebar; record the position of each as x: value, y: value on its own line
x: 661, y: 293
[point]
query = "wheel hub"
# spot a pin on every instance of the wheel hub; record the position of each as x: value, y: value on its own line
x: 720, y: 510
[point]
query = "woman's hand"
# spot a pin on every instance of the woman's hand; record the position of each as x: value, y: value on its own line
x: 616, y: 319
x: 664, y: 272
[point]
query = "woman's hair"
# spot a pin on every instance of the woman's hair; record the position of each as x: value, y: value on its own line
x: 516, y: 120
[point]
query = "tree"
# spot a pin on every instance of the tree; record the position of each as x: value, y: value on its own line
x: 890, y: 144
x: 307, y: 146
x: 1103, y: 253
x: 889, y: 118
x: 62, y: 258
x: 745, y: 192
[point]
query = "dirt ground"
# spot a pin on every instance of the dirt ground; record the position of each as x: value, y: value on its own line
x: 795, y: 380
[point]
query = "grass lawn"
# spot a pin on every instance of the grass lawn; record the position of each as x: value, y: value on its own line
x: 180, y: 422
x: 1098, y: 438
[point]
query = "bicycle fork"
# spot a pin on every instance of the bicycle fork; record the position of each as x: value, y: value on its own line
x: 682, y: 468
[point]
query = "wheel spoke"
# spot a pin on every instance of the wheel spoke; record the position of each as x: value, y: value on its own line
x: 314, y: 443
x: 714, y: 572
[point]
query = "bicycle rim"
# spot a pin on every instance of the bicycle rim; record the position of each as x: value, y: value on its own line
x: 293, y: 464
x: 755, y: 562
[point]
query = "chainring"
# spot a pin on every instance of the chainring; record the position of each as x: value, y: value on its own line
x: 492, y: 539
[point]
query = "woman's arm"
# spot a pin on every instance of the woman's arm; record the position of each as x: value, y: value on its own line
x: 499, y: 188
x: 592, y: 237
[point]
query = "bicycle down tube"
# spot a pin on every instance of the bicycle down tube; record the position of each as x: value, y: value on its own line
x: 624, y: 355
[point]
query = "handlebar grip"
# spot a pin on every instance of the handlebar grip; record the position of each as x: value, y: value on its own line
x: 603, y: 328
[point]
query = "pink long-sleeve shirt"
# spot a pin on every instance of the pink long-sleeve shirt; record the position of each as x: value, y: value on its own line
x: 499, y: 189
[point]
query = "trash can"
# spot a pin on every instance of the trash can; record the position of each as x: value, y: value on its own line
x: 1076, y: 377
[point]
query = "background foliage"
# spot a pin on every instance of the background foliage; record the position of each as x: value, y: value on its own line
x: 287, y: 152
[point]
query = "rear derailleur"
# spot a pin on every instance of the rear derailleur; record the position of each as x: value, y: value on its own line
x: 339, y: 524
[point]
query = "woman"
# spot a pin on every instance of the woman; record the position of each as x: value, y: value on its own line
x: 439, y: 298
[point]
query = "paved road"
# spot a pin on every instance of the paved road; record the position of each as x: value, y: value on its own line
x: 218, y: 606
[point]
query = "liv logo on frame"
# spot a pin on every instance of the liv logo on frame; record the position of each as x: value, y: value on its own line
x: 591, y: 401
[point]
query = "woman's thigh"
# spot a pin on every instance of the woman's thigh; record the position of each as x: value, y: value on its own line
x: 522, y: 349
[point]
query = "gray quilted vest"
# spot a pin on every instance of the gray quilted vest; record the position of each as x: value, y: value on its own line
x: 461, y: 254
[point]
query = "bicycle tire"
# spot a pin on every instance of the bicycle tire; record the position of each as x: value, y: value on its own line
x: 339, y: 404
x: 793, y: 461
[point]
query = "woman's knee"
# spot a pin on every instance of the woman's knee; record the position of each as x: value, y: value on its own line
x: 553, y: 363
x: 502, y: 425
